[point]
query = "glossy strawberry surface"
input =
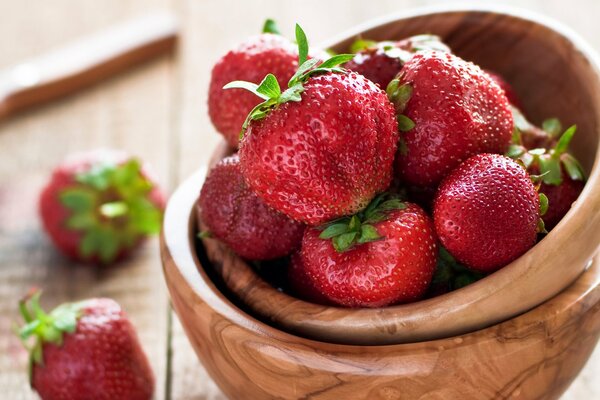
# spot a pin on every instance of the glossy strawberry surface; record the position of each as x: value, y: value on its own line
x: 250, y: 61
x: 300, y: 282
x: 236, y: 216
x: 458, y: 111
x: 560, y: 199
x: 325, y: 156
x: 397, y: 268
x: 486, y: 212
x: 511, y: 94
x: 101, y: 360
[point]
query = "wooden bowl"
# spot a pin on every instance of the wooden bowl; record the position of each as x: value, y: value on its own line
x: 542, y: 62
x: 533, y: 356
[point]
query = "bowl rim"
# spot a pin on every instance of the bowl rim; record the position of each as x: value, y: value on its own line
x: 507, y: 274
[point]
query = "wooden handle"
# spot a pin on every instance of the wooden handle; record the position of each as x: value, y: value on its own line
x: 85, y: 62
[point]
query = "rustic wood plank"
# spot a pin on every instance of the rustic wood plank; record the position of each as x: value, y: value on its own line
x: 213, y: 28
x: 131, y: 112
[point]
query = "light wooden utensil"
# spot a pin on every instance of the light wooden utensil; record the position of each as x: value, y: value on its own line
x: 542, y: 64
x: 85, y: 62
x: 522, y: 332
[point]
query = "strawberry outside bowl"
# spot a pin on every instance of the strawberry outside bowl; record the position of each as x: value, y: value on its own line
x: 524, y: 331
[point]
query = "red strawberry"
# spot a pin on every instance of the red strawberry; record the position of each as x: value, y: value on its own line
x: 236, y: 216
x: 511, y: 95
x: 486, y: 212
x: 449, y: 110
x: 380, y: 62
x: 324, y: 147
x: 98, y: 206
x: 250, y: 61
x: 300, y: 283
x: 532, y: 137
x: 381, y: 256
x: 86, y: 350
x: 562, y: 177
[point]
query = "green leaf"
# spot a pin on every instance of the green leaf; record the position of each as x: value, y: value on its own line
x: 552, y: 126
x: 145, y: 217
x: 402, y: 146
x: 564, y: 141
x: 270, y: 26
x: 98, y: 177
x: 405, y: 124
x: 205, y: 235
x: 344, y: 241
x: 334, y: 230
x: 392, y: 204
x: 114, y: 209
x: 89, y: 244
x: 354, y: 224
x: 368, y: 233
x: 550, y: 169
x: 82, y: 220
x: 516, y: 136
x: 78, y: 199
x: 362, y: 44
x: 573, y: 167
x: 302, y: 45
x: 541, y: 226
x: 515, y: 151
x: 249, y: 86
x: 303, y: 69
x: 543, y: 203
x: 336, y: 60
x: 292, y: 94
x: 446, y: 256
x: 269, y: 87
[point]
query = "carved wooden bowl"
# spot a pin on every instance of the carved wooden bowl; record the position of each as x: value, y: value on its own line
x: 533, y: 355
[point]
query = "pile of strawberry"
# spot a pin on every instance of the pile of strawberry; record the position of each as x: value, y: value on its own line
x: 390, y: 174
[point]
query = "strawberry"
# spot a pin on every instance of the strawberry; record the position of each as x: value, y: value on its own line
x: 511, y: 95
x: 562, y: 177
x: 250, y: 61
x: 380, y: 62
x: 324, y: 147
x: 300, y: 283
x: 98, y: 206
x: 237, y: 217
x: 486, y: 212
x: 530, y: 136
x: 448, y: 110
x: 383, y: 255
x: 85, y: 350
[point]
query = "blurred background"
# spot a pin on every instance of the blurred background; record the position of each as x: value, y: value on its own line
x: 158, y: 112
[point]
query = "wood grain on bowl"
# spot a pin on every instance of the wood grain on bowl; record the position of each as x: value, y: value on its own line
x: 543, y: 63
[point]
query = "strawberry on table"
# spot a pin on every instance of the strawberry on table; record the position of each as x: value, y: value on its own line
x: 562, y: 177
x: 85, y: 350
x: 98, y: 206
x: 324, y: 147
x: 383, y: 255
x: 250, y: 61
x: 236, y: 216
x: 380, y: 62
x: 487, y: 212
x: 448, y: 110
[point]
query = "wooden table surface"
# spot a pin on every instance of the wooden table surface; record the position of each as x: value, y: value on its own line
x: 159, y: 113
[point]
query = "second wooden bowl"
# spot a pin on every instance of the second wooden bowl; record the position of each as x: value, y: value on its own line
x: 555, y: 74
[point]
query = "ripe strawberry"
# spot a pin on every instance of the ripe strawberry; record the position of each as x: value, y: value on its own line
x: 250, y: 61
x: 530, y: 136
x: 236, y: 216
x: 448, y: 110
x: 380, y: 62
x: 300, y: 283
x: 486, y: 212
x: 85, y: 350
x: 511, y: 95
x: 324, y: 147
x: 98, y: 206
x: 562, y: 177
x: 381, y: 256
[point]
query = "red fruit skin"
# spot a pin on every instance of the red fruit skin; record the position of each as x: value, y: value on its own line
x: 560, y: 199
x: 326, y: 156
x: 376, y: 66
x: 101, y: 360
x: 511, y: 95
x: 486, y: 212
x: 251, y: 62
x: 458, y: 111
x: 395, y: 269
x: 54, y: 214
x: 236, y: 216
x: 300, y: 283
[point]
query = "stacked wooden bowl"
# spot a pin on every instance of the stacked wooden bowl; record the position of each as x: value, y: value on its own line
x: 523, y: 332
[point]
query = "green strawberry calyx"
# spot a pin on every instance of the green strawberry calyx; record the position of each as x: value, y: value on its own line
x: 270, y: 91
x: 402, y: 53
x: 399, y: 95
x: 270, y: 26
x: 551, y: 163
x: 109, y: 204
x: 360, y: 228
x: 451, y: 273
x: 41, y: 327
